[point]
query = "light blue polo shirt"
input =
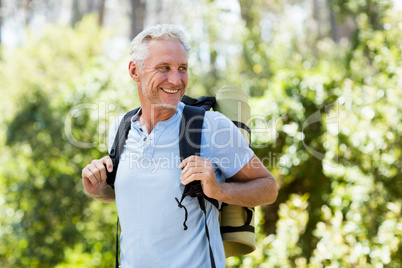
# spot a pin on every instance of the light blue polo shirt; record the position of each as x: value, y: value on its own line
x: 148, y: 181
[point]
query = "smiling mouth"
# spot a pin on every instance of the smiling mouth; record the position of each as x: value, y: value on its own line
x: 172, y: 91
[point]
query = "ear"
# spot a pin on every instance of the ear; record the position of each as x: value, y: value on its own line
x: 134, y: 71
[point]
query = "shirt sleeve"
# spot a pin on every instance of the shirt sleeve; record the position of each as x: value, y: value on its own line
x: 224, y: 145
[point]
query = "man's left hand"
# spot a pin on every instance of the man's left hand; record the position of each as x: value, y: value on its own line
x: 199, y: 168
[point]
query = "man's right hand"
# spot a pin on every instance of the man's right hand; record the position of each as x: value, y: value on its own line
x: 94, y: 179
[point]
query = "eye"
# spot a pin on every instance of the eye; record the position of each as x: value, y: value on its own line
x: 164, y: 69
x: 183, y: 69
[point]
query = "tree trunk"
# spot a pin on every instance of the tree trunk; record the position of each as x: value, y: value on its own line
x: 317, y: 10
x: 101, y: 11
x: 79, y: 9
x: 28, y: 11
x: 333, y: 23
x: 76, y: 14
x: 138, y: 9
x: 341, y: 29
x: 246, y: 12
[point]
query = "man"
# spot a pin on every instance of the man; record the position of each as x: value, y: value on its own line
x: 149, y: 176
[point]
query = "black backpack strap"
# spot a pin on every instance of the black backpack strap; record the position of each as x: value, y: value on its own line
x: 190, y: 131
x: 115, y: 152
x: 190, y: 144
x: 205, y: 102
x: 247, y: 227
x: 118, y: 145
x: 117, y: 243
x: 208, y: 102
x: 243, y: 126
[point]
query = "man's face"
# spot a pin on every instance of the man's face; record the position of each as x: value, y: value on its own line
x: 163, y: 80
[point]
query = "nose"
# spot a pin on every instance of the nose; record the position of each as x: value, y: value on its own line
x: 174, y: 78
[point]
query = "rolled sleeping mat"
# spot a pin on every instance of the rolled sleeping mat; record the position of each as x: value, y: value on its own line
x: 237, y: 223
x: 232, y: 101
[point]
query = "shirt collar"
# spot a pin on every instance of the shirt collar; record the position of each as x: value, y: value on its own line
x: 171, y: 120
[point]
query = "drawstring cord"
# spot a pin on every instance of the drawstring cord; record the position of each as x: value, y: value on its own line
x: 193, y: 189
x: 196, y: 190
x: 185, y: 209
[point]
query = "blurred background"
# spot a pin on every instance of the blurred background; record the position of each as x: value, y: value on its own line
x: 324, y: 79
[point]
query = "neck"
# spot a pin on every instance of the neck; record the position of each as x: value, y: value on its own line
x: 149, y: 118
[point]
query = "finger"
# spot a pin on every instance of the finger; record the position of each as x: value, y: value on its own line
x: 188, y: 166
x: 95, y: 171
x: 195, y: 161
x: 88, y: 174
x: 101, y: 170
x: 204, y: 165
x: 187, y: 172
x: 193, y: 177
x: 108, y: 162
x: 189, y: 159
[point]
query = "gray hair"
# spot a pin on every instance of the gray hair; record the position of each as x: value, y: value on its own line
x: 139, y: 46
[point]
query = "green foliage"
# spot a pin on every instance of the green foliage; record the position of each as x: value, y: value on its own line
x: 333, y: 124
x: 326, y: 119
x: 56, y: 83
x: 375, y: 10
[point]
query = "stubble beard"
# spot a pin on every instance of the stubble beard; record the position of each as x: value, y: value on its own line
x: 152, y: 94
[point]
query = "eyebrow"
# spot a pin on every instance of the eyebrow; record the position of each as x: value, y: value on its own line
x: 166, y: 63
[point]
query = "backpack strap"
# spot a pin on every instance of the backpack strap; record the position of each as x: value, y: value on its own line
x: 247, y: 227
x: 190, y: 144
x: 118, y: 145
x: 245, y: 127
x: 205, y: 102
x: 115, y: 152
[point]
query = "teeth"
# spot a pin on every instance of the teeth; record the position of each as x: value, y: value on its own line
x: 170, y: 91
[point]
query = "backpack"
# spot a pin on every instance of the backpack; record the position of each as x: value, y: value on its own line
x: 236, y: 223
